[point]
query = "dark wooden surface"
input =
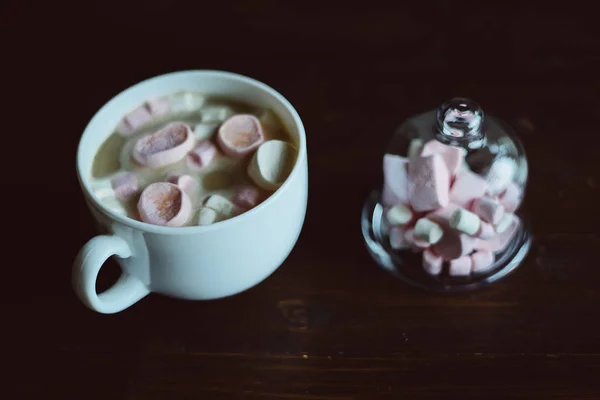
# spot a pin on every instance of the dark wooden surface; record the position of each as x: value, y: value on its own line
x: 329, y: 324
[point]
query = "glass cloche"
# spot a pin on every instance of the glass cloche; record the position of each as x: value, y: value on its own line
x: 446, y: 216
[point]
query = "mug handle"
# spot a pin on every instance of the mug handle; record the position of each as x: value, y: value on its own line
x: 127, y: 291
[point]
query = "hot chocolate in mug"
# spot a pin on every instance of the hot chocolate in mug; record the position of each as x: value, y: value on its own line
x: 189, y: 262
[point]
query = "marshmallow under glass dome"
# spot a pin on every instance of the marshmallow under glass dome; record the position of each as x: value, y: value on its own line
x: 446, y: 217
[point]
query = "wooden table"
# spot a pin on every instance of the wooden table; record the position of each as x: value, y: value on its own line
x: 329, y: 324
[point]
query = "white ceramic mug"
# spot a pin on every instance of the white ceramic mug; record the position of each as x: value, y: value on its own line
x: 192, y: 262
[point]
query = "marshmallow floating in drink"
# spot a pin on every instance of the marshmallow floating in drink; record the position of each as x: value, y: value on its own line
x: 164, y: 203
x: 240, y: 135
x: 186, y: 182
x: 166, y: 146
x: 271, y: 164
x: 202, y: 155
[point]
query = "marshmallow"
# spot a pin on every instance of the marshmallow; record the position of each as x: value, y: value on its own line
x: 488, y: 209
x: 414, y: 148
x: 246, y: 197
x: 164, y: 203
x: 271, y: 164
x: 500, y: 175
x: 207, y: 216
x: 186, y: 102
x: 221, y: 205
x: 186, y: 182
x: 205, y: 130
x: 133, y: 121
x: 125, y: 185
x: 453, y: 156
x: 432, y: 263
x: 166, y: 146
x: 216, y: 113
x: 416, y: 242
x: 486, y: 231
x: 240, y: 135
x: 395, y: 174
x: 504, y: 223
x: 511, y: 198
x: 202, y: 155
x: 482, y: 245
x: 467, y: 187
x: 465, y: 221
x: 103, y: 188
x: 428, y: 231
x: 429, y: 183
x: 461, y: 266
x: 482, y: 261
x: 158, y: 107
x: 454, y: 244
x: 398, y: 240
x: 399, y: 215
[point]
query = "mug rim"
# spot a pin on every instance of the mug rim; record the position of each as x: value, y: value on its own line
x: 193, y: 229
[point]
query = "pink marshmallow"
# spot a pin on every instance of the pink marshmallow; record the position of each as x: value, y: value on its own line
x: 158, y: 107
x: 398, y: 239
x: 429, y: 183
x: 454, y: 244
x: 134, y: 121
x: 453, y: 156
x: 125, y: 185
x: 164, y: 203
x: 246, y: 197
x: 185, y: 182
x: 467, y: 187
x: 511, y: 198
x: 482, y: 245
x: 432, y: 263
x: 461, y: 266
x: 488, y: 209
x: 202, y: 155
x: 395, y: 187
x: 482, y: 261
x: 166, y: 146
x: 486, y: 231
x: 240, y: 135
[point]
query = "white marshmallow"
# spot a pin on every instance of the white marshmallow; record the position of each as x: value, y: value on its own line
x: 399, y: 215
x: 504, y: 223
x: 415, y: 147
x: 186, y: 102
x: 271, y: 164
x: 465, y: 221
x: 207, y: 216
x: 220, y: 204
x: 428, y: 231
x: 216, y: 113
x: 203, y: 131
x: 103, y: 188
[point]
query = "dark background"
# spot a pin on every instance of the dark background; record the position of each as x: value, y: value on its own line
x: 329, y: 324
